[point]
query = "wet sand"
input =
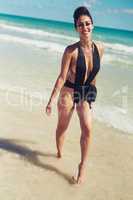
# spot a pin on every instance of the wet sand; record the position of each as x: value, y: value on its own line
x: 29, y: 168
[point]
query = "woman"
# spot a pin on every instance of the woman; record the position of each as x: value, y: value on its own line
x: 76, y: 84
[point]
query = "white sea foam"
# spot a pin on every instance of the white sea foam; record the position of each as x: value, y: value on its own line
x: 52, y: 46
x: 115, y: 117
x: 36, y: 32
x: 56, y: 47
x: 117, y: 47
x: 114, y: 58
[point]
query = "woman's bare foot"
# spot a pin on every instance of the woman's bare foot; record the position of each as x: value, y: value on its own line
x: 59, y: 155
x: 79, y: 178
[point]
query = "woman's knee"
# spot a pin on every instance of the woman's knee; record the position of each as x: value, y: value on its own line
x: 86, y: 131
x: 61, y: 127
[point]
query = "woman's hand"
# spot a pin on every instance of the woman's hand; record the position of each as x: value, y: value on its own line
x: 48, y: 109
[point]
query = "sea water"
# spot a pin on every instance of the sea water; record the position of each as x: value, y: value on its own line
x: 30, y: 59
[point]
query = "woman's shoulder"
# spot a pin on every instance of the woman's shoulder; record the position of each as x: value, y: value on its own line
x: 71, y: 48
x: 100, y: 47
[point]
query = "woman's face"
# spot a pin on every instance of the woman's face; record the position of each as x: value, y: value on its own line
x: 84, y: 25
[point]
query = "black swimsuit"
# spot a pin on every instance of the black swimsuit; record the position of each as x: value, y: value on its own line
x: 85, y: 91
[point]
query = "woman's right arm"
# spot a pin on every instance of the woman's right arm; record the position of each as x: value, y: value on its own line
x: 66, y: 59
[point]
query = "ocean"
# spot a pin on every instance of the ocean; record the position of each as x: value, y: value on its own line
x: 30, y: 58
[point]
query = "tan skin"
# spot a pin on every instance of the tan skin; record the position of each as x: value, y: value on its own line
x: 65, y: 101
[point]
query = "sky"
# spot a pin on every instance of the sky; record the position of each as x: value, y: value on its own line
x: 106, y: 13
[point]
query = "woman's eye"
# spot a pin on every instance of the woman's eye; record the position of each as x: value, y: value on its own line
x: 84, y: 24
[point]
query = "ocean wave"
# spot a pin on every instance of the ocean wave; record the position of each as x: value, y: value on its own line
x: 38, y: 32
x: 115, y: 59
x: 56, y: 47
x: 119, y: 48
x: 115, y: 117
x: 115, y: 48
x: 51, y: 46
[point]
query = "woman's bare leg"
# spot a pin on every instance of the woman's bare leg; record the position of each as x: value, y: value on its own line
x: 65, y: 110
x: 64, y: 117
x: 85, y: 118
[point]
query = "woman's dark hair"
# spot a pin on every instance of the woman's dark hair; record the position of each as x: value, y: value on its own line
x: 81, y: 11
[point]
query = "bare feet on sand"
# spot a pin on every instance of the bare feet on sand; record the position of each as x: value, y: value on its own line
x: 79, y: 177
x: 59, y: 155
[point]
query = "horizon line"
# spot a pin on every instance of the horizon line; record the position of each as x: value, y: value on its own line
x: 39, y: 18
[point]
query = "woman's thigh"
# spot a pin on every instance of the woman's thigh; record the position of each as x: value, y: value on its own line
x: 65, y: 108
x: 85, y: 116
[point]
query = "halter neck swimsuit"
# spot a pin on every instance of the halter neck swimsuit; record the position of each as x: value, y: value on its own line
x: 84, y: 90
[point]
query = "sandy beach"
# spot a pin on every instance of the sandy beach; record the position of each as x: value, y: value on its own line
x: 29, y: 168
x: 30, y: 61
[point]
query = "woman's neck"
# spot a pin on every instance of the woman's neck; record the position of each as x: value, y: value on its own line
x: 86, y: 42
